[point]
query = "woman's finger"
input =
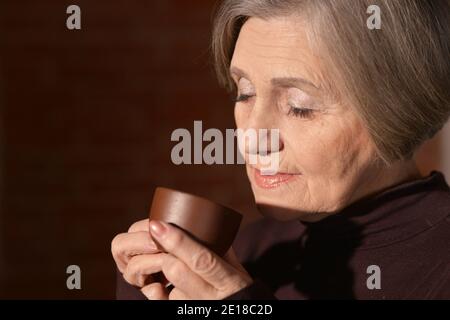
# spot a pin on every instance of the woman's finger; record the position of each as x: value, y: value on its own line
x: 232, y: 259
x: 155, y: 291
x: 197, y: 257
x: 184, y: 279
x: 126, y: 245
x: 138, y: 226
x: 177, y: 294
x: 140, y: 267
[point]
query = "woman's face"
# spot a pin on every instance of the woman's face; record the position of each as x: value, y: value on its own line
x: 326, y: 155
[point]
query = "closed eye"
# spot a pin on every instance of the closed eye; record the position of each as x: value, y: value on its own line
x: 301, y: 112
x: 243, y: 98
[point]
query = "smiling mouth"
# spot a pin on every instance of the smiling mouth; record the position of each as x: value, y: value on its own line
x: 272, y: 181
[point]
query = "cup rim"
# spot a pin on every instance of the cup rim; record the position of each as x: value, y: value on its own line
x: 197, y: 197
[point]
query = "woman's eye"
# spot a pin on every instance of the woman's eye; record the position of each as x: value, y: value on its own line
x: 299, y: 104
x: 243, y: 98
x: 300, y: 112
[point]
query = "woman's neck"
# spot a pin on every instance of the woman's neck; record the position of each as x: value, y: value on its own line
x: 395, y: 174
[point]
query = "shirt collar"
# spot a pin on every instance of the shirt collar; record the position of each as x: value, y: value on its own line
x: 392, y: 215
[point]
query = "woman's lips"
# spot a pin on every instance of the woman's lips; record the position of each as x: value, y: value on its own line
x: 273, y: 181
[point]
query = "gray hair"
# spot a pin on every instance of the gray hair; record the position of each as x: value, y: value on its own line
x: 396, y: 78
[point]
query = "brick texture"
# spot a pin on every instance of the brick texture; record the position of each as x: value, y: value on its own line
x: 87, y: 118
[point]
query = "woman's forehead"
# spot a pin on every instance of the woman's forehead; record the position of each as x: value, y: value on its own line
x: 276, y: 47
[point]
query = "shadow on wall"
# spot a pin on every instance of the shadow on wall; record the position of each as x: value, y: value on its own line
x: 431, y: 155
x: 445, y: 152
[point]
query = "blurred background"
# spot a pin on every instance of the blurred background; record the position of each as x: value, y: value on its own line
x: 85, y: 123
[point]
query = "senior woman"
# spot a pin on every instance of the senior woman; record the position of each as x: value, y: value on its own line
x: 348, y: 215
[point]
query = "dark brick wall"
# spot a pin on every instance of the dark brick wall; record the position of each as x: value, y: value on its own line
x: 86, y: 118
x: 87, y: 121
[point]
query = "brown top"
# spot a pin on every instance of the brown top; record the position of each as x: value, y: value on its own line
x: 398, y: 239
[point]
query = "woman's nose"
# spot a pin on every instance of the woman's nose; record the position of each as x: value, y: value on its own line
x: 264, y: 135
x: 266, y: 141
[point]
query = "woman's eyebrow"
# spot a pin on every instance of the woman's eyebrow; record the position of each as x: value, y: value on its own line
x: 294, y: 82
x: 285, y: 82
x: 238, y: 72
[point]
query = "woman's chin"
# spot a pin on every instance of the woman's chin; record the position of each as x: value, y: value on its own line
x: 289, y: 214
x: 280, y: 213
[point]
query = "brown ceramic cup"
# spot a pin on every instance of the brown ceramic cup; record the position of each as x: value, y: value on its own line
x: 213, y: 225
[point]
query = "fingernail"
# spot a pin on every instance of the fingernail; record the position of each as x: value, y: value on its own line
x: 157, y: 228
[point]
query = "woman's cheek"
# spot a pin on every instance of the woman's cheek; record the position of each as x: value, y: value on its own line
x: 311, y: 151
x: 240, y: 116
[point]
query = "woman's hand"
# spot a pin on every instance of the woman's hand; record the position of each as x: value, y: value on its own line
x: 135, y: 242
x: 194, y: 271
